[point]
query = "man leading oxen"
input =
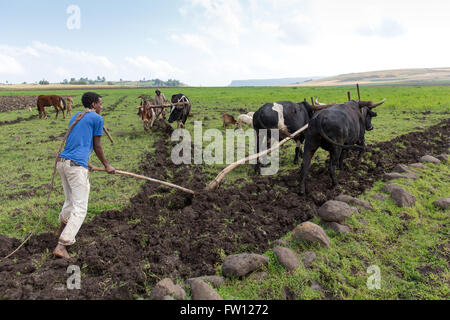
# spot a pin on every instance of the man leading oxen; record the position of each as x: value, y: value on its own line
x: 335, y: 129
x: 181, y: 106
x: 287, y: 117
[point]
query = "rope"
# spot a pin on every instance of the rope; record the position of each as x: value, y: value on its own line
x: 77, y: 119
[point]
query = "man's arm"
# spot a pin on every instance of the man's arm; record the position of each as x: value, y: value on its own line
x: 101, y: 156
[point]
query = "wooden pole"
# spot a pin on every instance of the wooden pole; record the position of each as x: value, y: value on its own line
x: 168, y: 184
x: 107, y: 133
x: 216, y: 182
x: 359, y: 93
x: 165, y: 105
x: 349, y: 96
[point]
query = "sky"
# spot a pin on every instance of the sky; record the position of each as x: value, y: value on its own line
x: 212, y: 42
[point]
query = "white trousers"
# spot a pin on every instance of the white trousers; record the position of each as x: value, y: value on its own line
x: 75, y: 181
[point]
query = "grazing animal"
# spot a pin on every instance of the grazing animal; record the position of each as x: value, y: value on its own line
x: 244, y: 119
x: 286, y: 116
x: 227, y: 120
x: 69, y: 105
x: 340, y: 127
x: 179, y: 112
x: 52, y: 100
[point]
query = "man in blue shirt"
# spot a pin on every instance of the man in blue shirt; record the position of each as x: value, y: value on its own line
x: 73, y: 167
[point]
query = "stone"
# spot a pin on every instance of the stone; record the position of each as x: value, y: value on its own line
x: 389, y: 188
x: 402, y: 198
x: 430, y: 159
x: 239, y: 265
x: 443, y: 157
x: 287, y: 258
x: 442, y: 203
x: 309, y: 231
x: 258, y: 276
x: 309, y: 258
x: 402, y: 168
x: 16, y: 138
x: 380, y: 197
x: 418, y: 166
x: 216, y: 281
x: 336, y: 211
x: 358, y: 202
x: 338, y: 228
x: 200, y: 290
x: 165, y: 288
x: 395, y: 175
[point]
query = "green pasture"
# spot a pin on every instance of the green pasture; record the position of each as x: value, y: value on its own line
x: 28, y: 150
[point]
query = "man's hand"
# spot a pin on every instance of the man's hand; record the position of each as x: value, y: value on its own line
x: 91, y: 168
x: 110, y: 169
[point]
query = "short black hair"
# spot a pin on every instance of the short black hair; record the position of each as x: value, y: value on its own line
x: 88, y: 98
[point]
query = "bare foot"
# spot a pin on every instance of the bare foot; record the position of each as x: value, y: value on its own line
x: 61, y: 252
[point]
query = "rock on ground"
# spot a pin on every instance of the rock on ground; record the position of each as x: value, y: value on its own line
x: 395, y: 175
x: 389, y: 188
x: 442, y: 203
x: 402, y: 168
x: 309, y: 258
x: 309, y: 231
x: 336, y: 211
x: 380, y: 197
x: 338, y: 228
x: 202, y: 291
x: 242, y: 264
x: 358, y: 202
x: 430, y: 159
x: 287, y: 258
x: 216, y: 281
x: 418, y: 166
x: 443, y: 157
x: 166, y: 287
x: 402, y: 198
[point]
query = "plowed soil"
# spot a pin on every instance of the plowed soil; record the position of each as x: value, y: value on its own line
x: 167, y: 233
x: 11, y: 103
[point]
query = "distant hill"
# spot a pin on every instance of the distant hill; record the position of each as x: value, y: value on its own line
x: 424, y: 76
x: 270, y: 82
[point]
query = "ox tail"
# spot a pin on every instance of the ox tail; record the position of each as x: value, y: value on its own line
x: 323, y: 134
x: 64, y: 102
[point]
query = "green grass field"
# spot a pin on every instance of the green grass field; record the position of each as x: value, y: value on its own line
x: 28, y: 150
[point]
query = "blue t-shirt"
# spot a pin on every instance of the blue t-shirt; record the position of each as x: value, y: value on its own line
x: 80, y: 141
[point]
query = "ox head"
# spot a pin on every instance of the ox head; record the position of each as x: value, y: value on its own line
x: 176, y: 113
x: 368, y: 114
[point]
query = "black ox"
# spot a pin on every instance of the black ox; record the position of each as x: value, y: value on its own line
x: 180, y: 110
x: 286, y: 116
x: 338, y: 128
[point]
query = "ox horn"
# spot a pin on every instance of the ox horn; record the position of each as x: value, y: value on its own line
x: 370, y: 104
x: 320, y: 106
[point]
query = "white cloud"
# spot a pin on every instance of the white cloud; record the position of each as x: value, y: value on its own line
x: 157, y: 68
x: 193, y: 40
x: 386, y: 28
x: 10, y: 66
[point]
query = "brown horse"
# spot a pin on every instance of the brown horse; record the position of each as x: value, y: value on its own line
x: 53, y: 100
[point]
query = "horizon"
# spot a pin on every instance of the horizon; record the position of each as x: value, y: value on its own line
x: 213, y: 42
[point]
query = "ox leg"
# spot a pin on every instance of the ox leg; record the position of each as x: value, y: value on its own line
x: 310, y: 149
x: 257, y: 167
x: 335, y: 154
x: 298, y: 152
x: 341, y: 159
